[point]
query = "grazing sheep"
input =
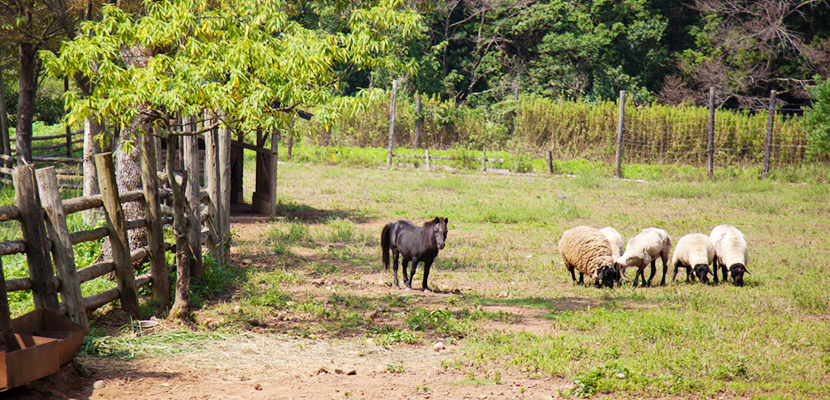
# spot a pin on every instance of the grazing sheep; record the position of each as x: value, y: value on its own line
x: 695, y: 253
x: 731, y: 252
x: 615, y: 239
x: 588, y: 251
x: 644, y: 249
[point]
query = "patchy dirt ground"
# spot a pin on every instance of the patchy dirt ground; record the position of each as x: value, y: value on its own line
x: 267, y: 363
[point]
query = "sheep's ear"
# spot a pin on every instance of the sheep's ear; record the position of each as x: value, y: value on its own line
x: 708, y: 270
x: 746, y: 271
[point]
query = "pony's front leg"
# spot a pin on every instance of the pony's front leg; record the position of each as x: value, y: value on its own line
x: 424, y: 287
x: 395, y: 255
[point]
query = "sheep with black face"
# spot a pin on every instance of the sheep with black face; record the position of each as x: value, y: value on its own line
x: 695, y: 253
x: 588, y: 251
x: 731, y: 251
x: 643, y: 250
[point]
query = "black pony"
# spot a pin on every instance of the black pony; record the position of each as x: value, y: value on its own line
x: 415, y: 244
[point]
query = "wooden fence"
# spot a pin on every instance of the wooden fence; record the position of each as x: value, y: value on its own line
x: 47, y: 241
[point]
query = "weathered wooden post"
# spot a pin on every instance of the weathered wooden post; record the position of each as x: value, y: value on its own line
x: 391, y: 123
x: 484, y: 160
x: 5, y: 314
x: 620, y: 130
x: 117, y: 225
x: 61, y: 246
x: 710, y: 143
x: 549, y: 159
x: 212, y: 182
x: 90, y: 183
x: 152, y: 218
x: 4, y: 125
x: 426, y: 153
x: 191, y: 165
x: 27, y: 200
x: 768, y: 140
x: 419, y: 120
x: 224, y: 153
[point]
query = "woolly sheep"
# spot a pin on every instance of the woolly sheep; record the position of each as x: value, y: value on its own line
x: 694, y: 252
x: 731, y: 252
x: 644, y: 249
x: 588, y: 251
x: 615, y: 239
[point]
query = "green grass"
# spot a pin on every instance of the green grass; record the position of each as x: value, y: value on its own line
x: 766, y: 340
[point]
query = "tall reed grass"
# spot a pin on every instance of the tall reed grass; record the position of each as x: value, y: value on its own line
x: 533, y: 125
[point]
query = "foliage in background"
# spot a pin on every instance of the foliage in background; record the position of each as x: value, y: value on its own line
x: 817, y: 118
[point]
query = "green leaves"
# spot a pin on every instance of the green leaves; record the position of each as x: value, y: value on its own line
x: 241, y: 57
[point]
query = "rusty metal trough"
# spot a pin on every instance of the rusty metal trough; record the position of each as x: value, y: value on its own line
x: 42, y: 341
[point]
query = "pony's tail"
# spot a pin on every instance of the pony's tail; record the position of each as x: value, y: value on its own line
x: 385, y: 237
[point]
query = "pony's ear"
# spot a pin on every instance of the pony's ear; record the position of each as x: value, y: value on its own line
x: 436, y: 220
x: 446, y: 220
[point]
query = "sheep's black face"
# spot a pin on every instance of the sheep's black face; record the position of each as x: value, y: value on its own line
x: 701, y: 272
x: 737, y: 271
x: 607, y: 276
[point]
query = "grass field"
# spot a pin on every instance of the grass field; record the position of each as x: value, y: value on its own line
x: 768, y: 339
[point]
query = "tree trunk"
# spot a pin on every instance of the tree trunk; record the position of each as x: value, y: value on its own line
x: 4, y: 121
x: 26, y: 101
x: 128, y: 177
x: 91, y: 147
x: 181, y: 306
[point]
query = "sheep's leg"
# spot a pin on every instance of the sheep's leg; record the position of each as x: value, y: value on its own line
x: 639, y: 273
x: 580, y: 279
x: 676, y: 268
x: 395, y: 255
x: 723, y: 268
x: 653, y: 272
x: 571, y: 268
x: 665, y: 267
x: 689, y: 275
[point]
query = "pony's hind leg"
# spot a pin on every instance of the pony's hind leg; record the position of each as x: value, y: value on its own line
x: 395, y: 255
x: 412, y: 272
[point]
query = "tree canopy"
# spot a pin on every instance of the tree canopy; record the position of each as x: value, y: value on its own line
x: 251, y: 59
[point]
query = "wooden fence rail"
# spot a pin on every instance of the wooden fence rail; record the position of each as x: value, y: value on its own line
x: 47, y: 242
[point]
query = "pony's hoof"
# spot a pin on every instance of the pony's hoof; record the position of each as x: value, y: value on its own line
x: 427, y: 290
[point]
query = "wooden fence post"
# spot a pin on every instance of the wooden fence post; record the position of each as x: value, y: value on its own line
x: 5, y: 314
x: 620, y: 130
x: 191, y: 165
x: 4, y: 124
x: 710, y: 143
x: 27, y: 200
x: 484, y: 160
x: 152, y: 218
x: 768, y: 140
x: 549, y: 159
x: 391, y: 123
x: 224, y: 141
x: 61, y: 246
x: 212, y: 182
x: 117, y: 225
x: 426, y: 152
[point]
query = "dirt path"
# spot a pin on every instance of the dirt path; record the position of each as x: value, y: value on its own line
x: 266, y: 364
